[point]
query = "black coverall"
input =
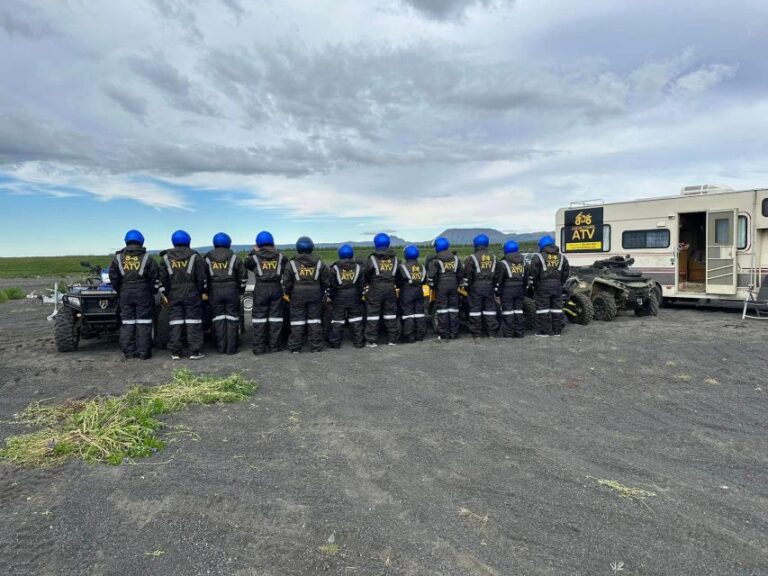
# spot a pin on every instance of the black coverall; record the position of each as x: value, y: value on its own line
x: 511, y: 283
x: 182, y: 274
x: 305, y: 279
x: 346, y: 293
x: 381, y: 299
x: 549, y: 271
x: 135, y: 278
x: 479, y: 271
x: 411, y: 276
x: 226, y: 283
x: 268, y: 266
x: 444, y: 275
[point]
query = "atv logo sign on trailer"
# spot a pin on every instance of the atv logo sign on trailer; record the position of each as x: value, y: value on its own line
x: 584, y: 230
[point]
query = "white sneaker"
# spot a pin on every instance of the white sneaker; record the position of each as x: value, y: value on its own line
x: 175, y: 357
x: 391, y: 344
x: 197, y: 356
x: 372, y: 345
x: 542, y: 335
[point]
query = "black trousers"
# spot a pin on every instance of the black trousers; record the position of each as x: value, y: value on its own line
x: 347, y: 307
x: 549, y: 309
x: 482, y: 309
x: 512, y: 314
x: 381, y: 304
x: 186, y: 313
x: 137, y: 312
x: 412, y: 313
x: 447, y: 310
x: 225, y: 308
x: 267, y: 317
x: 306, y: 318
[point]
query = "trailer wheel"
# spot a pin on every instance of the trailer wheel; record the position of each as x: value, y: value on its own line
x: 66, y: 333
x: 604, y: 305
x: 582, y: 307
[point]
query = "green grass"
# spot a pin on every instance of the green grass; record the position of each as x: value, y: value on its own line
x: 34, y: 266
x: 112, y: 429
x: 13, y: 293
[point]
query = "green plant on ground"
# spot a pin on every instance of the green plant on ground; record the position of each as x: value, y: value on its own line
x: 622, y: 490
x: 14, y: 293
x: 3, y: 297
x: 113, y: 428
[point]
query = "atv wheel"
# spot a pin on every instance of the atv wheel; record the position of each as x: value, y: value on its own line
x: 604, y: 305
x: 650, y: 308
x: 66, y: 333
x: 162, y: 328
x: 581, y: 306
x: 659, y: 298
x: 529, y: 313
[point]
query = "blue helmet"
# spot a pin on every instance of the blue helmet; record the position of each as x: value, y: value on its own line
x: 134, y: 237
x: 441, y: 244
x: 411, y: 252
x: 222, y: 240
x: 181, y: 238
x: 510, y: 246
x: 381, y: 241
x: 264, y: 238
x: 545, y: 241
x: 481, y: 241
x: 346, y: 251
x: 304, y: 245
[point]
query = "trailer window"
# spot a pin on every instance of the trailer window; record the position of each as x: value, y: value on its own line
x: 634, y: 239
x: 606, y: 238
x: 742, y: 238
x: 765, y: 207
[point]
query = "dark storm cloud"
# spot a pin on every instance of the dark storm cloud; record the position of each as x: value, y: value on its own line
x: 183, y: 13
x: 130, y: 103
x: 451, y: 9
x: 168, y: 80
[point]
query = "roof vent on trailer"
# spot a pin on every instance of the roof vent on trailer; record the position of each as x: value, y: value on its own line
x: 702, y: 189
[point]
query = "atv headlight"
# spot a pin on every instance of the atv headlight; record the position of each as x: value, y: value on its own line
x: 74, y: 301
x: 105, y: 277
x: 582, y: 285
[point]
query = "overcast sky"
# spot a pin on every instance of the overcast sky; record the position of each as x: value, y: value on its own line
x: 341, y: 118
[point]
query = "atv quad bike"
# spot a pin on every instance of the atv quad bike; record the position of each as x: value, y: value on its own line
x: 88, y: 309
x: 577, y: 306
x: 612, y: 285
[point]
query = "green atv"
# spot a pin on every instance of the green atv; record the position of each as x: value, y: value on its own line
x: 612, y: 285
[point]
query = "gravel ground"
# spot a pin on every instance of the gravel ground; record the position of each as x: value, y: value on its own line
x: 465, y: 457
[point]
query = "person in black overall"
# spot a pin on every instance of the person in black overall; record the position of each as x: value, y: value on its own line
x: 226, y: 284
x: 479, y: 272
x: 411, y: 277
x: 549, y: 271
x: 267, y: 265
x: 381, y: 295
x: 305, y: 279
x: 511, y: 282
x: 444, y: 276
x: 346, y: 294
x: 136, y: 279
x: 183, y: 277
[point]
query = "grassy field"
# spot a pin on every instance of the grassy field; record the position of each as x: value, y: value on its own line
x: 47, y: 266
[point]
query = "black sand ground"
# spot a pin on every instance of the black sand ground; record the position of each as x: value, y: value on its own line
x: 475, y: 458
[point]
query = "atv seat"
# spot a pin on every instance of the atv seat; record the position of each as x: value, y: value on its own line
x: 758, y: 300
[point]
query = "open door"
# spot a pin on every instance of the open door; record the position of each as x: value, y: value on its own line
x: 721, y: 252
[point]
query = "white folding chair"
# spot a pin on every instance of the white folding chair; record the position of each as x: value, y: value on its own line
x: 757, y: 299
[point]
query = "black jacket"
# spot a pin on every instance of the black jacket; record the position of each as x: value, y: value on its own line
x: 381, y: 266
x: 411, y: 273
x: 346, y: 274
x: 480, y: 267
x: 126, y: 268
x: 512, y: 274
x: 549, y: 266
x: 305, y: 271
x: 445, y: 267
x: 182, y: 273
x: 224, y: 267
x: 267, y: 264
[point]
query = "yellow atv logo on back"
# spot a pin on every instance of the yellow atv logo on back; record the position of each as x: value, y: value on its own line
x: 307, y: 272
x: 386, y: 265
x: 347, y: 275
x: 219, y: 265
x: 486, y: 262
x: 553, y: 260
x: 179, y: 264
x: 450, y: 266
x: 416, y: 272
x: 269, y: 264
x: 517, y: 268
x: 131, y: 263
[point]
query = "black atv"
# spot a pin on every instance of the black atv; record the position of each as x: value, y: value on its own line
x: 577, y: 306
x: 88, y: 309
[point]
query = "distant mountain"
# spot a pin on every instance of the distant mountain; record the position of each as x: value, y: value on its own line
x: 459, y: 236
x: 394, y: 240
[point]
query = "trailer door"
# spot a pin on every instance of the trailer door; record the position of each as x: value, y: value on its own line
x: 721, y: 252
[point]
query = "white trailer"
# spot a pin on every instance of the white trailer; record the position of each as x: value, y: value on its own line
x: 706, y: 244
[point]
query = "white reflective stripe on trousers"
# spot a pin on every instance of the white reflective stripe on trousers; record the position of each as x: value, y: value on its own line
x: 489, y: 312
x: 314, y: 321
x: 473, y: 314
x: 373, y: 318
x: 419, y: 315
x: 274, y: 319
x: 407, y: 317
x: 508, y: 312
x: 556, y: 310
x: 356, y: 319
x: 233, y: 318
x: 390, y: 317
x: 547, y: 311
x: 454, y: 310
x: 176, y: 322
x: 258, y: 321
x: 129, y: 322
x: 188, y: 321
x: 219, y: 318
x: 299, y: 323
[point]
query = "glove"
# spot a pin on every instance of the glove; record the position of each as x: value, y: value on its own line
x: 463, y: 291
x: 164, y: 300
x: 286, y: 298
x: 205, y: 297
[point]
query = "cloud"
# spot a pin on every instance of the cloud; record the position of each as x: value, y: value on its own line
x: 181, y: 12
x: 444, y: 10
x: 20, y: 19
x: 133, y: 105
